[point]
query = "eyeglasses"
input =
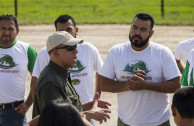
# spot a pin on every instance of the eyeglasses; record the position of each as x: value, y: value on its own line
x: 68, y: 48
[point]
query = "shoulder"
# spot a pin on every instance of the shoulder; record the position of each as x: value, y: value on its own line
x: 159, y: 47
x: 22, y: 44
x: 25, y: 47
x: 121, y: 47
x: 43, y: 51
x: 186, y: 43
x: 191, y: 54
x: 87, y: 46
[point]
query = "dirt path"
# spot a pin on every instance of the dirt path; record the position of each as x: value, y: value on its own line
x: 104, y: 37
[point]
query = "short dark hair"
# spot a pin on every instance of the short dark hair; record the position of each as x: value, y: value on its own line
x: 64, y: 19
x: 145, y: 17
x: 60, y: 113
x: 183, y: 100
x: 9, y: 17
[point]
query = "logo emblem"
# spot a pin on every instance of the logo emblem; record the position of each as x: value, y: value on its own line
x: 78, y: 68
x: 75, y: 82
x: 6, y: 62
x: 134, y: 66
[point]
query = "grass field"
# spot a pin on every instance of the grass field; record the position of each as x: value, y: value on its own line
x: 176, y: 12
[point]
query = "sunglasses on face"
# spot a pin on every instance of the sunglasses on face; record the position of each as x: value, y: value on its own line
x: 68, y: 48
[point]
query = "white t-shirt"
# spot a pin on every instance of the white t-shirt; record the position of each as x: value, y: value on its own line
x: 14, y: 65
x: 144, y: 107
x: 182, y: 49
x: 88, y: 59
x: 191, y: 67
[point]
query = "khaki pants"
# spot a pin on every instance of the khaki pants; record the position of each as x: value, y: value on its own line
x: 120, y: 123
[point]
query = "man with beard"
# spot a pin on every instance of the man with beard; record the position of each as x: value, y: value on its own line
x: 141, y: 72
x: 16, y: 59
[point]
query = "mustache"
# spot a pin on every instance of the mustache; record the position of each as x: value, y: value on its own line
x: 137, y: 36
x: 6, y: 35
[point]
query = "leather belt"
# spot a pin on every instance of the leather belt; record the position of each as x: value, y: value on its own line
x: 10, y: 105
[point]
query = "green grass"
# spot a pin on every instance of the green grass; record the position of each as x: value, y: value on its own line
x: 177, y: 12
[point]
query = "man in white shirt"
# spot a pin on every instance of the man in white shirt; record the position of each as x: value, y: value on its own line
x: 16, y: 60
x: 187, y: 78
x: 141, y: 72
x: 181, y: 52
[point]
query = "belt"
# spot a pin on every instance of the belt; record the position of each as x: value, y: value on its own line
x: 10, y: 105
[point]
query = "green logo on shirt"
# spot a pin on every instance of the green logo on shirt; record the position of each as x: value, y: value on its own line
x: 134, y: 66
x: 6, y: 62
x: 75, y: 82
x: 79, y: 67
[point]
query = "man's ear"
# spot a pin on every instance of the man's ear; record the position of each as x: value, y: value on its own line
x: 151, y: 33
x: 55, y: 52
x: 173, y: 108
x: 17, y: 30
x: 76, y: 29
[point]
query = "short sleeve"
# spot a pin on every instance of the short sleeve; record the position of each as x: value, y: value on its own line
x: 108, y: 68
x: 169, y: 65
x: 178, y: 53
x: 31, y: 58
x: 41, y: 61
x: 97, y: 60
x: 184, y: 78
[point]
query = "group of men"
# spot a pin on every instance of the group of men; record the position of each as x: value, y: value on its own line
x: 140, y: 71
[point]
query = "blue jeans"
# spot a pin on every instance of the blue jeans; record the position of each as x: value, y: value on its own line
x: 92, y: 122
x: 10, y: 117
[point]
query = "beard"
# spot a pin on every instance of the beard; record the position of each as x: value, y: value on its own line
x: 6, y: 40
x: 138, y: 43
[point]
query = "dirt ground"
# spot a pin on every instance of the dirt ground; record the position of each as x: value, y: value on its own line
x: 104, y: 37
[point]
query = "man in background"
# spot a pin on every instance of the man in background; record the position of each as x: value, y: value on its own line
x: 187, y: 78
x: 142, y: 73
x: 16, y: 59
x: 181, y: 52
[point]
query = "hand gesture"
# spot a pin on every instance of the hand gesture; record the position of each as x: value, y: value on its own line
x: 101, y: 103
x: 99, y: 114
x: 137, y: 81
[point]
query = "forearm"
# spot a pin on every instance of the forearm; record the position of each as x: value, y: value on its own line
x: 87, y: 106
x: 181, y: 65
x: 87, y: 115
x: 97, y: 84
x: 113, y: 86
x: 29, y: 100
x: 164, y: 87
x: 32, y: 86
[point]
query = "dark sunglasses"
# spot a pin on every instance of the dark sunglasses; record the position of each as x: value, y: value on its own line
x: 68, y: 48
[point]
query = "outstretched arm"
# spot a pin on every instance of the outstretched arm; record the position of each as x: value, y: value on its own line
x: 99, y: 110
